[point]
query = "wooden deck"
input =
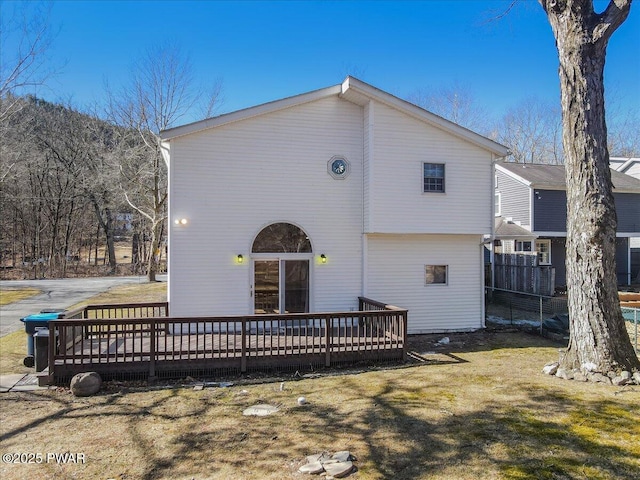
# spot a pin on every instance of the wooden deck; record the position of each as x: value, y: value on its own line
x: 154, y: 346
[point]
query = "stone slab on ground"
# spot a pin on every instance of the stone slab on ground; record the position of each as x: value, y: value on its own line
x: 260, y: 410
x: 338, y: 465
x: 8, y: 381
x: 20, y: 382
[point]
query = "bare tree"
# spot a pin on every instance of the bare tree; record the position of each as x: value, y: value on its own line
x: 25, y: 27
x: 455, y: 103
x: 160, y: 92
x: 533, y: 132
x: 598, y: 338
x: 623, y: 133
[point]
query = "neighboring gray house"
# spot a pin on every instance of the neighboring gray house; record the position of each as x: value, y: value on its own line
x: 533, y: 197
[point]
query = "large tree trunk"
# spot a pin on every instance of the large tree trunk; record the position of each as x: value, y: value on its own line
x: 598, y: 338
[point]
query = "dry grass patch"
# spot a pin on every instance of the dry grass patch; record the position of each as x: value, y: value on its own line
x: 10, y: 295
x: 137, y: 293
x: 13, y: 348
x: 478, y: 408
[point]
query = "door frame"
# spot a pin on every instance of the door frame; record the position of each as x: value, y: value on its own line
x: 280, y: 257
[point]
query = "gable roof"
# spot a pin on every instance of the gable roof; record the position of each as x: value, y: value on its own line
x: 552, y: 177
x: 353, y: 90
x: 506, y: 229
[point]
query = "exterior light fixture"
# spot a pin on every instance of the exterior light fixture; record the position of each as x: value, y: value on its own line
x: 240, y: 258
x: 181, y: 221
x: 323, y: 258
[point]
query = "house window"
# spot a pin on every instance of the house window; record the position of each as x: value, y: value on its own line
x: 543, y: 249
x: 522, y: 246
x: 498, y: 203
x: 436, y: 274
x: 434, y: 177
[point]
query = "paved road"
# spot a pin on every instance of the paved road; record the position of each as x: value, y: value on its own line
x: 60, y: 293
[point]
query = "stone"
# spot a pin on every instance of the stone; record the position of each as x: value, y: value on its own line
x: 85, y: 384
x: 260, y: 410
x: 342, y: 456
x: 636, y: 378
x: 565, y: 374
x: 312, y: 468
x: 578, y: 376
x: 550, y: 368
x: 619, y: 380
x: 318, y: 457
x: 626, y: 374
x: 599, y: 378
x: 338, y: 469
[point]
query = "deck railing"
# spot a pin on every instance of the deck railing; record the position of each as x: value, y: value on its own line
x: 102, y: 338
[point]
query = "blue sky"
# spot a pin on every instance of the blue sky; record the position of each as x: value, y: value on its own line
x: 267, y: 50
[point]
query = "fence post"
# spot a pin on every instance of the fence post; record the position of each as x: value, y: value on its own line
x: 328, y: 322
x: 243, y: 351
x: 635, y: 321
x: 540, y: 314
x: 152, y: 351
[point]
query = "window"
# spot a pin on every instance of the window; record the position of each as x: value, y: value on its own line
x: 523, y: 246
x: 543, y: 249
x: 436, y: 274
x: 434, y: 177
x: 281, y: 238
x: 498, y: 203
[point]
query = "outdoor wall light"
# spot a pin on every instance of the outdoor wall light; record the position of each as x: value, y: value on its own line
x: 239, y: 258
x: 181, y: 221
x: 323, y: 258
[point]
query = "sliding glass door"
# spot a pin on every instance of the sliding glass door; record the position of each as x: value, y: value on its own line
x: 280, y: 286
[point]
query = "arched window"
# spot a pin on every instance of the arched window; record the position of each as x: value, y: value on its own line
x: 281, y: 238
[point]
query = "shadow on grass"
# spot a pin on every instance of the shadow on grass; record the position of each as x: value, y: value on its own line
x: 393, y: 439
x: 401, y: 424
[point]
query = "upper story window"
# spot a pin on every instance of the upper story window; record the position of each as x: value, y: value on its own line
x: 498, y: 203
x: 433, y: 177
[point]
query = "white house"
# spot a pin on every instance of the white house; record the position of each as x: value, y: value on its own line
x: 307, y: 203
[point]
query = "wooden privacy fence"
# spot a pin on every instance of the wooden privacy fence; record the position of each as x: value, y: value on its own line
x: 162, y: 346
x: 521, y: 273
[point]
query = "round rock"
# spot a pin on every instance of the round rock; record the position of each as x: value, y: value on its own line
x: 85, y: 384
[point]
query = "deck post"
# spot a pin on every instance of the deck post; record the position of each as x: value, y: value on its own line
x: 404, y: 336
x: 152, y: 351
x: 243, y: 351
x: 328, y: 327
x: 53, y: 335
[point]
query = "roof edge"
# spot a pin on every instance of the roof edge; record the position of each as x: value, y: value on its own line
x: 273, y: 106
x: 352, y: 83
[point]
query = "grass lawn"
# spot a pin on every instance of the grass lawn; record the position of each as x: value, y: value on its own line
x: 478, y: 408
x: 10, y: 295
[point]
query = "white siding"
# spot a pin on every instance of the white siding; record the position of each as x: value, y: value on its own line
x: 397, y: 276
x: 397, y: 204
x: 231, y: 181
